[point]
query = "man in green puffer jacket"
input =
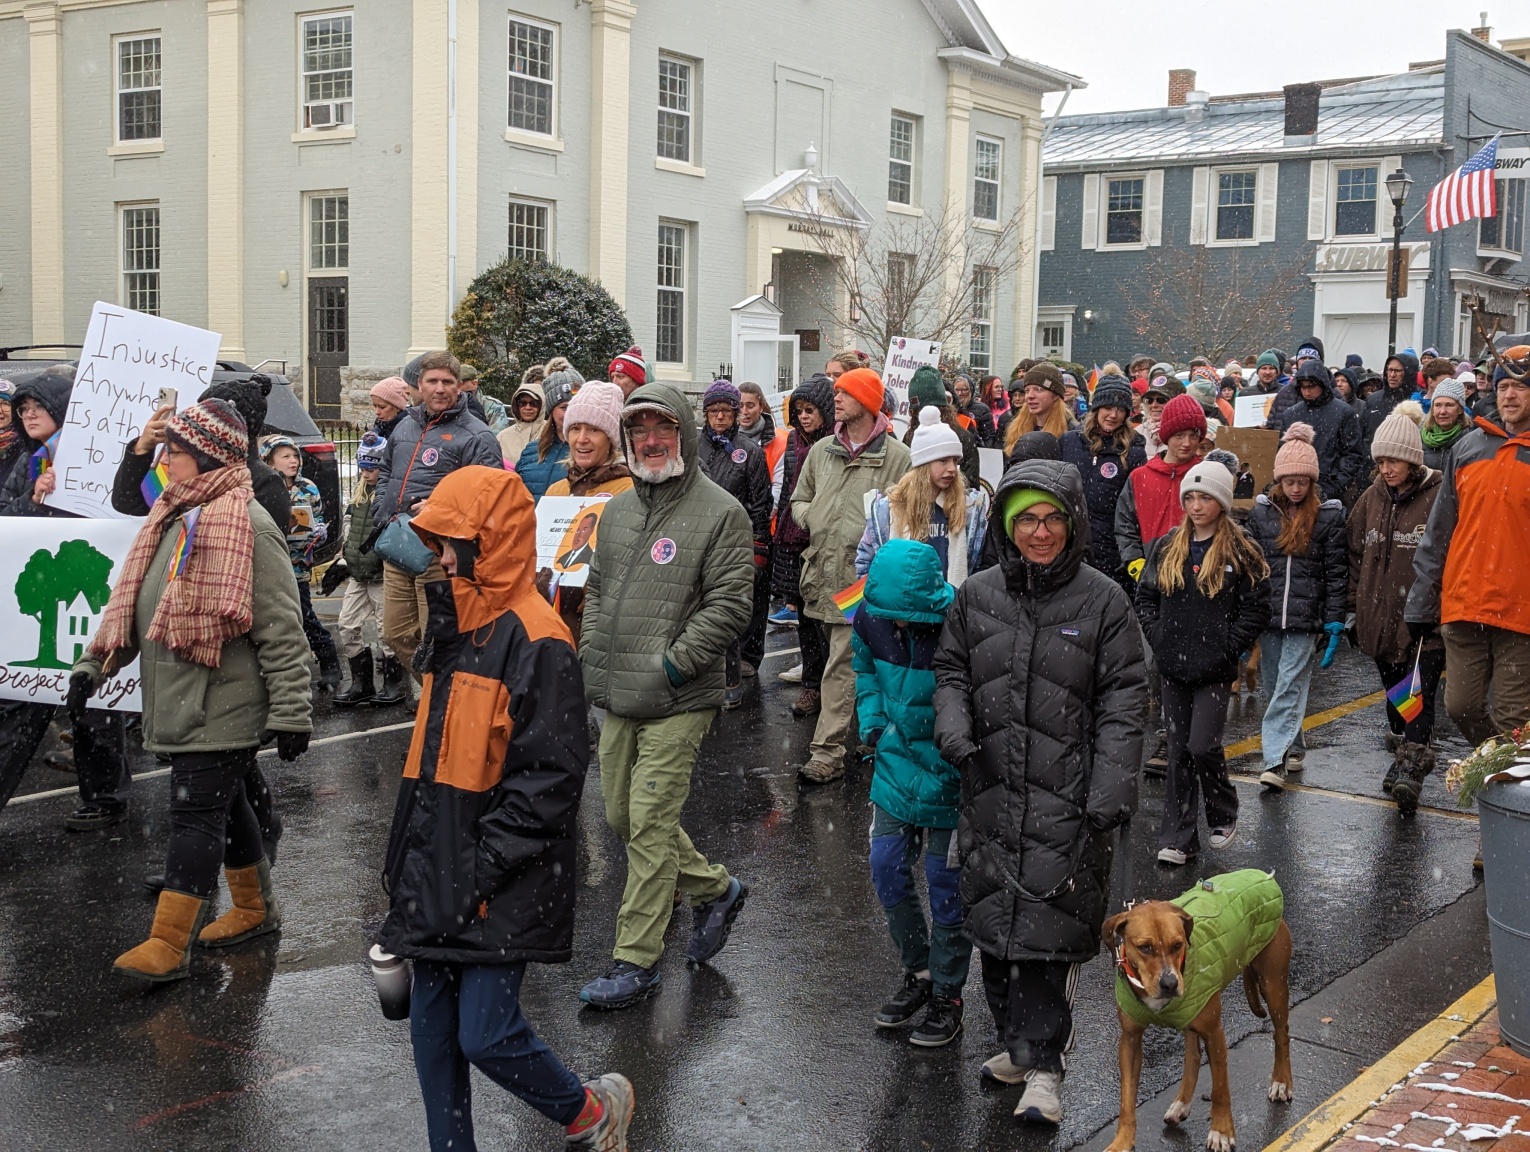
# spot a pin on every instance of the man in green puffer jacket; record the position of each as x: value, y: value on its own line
x: 670, y: 588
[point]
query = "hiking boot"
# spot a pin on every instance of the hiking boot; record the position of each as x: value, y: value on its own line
x: 623, y: 985
x: 102, y: 813
x: 733, y: 696
x: 1172, y: 856
x: 817, y: 772
x: 1417, y: 761
x: 942, y: 1023
x: 395, y: 688
x: 1295, y: 760
x: 1158, y: 763
x: 1393, y: 772
x: 1222, y: 837
x: 609, y: 1133
x: 1042, y: 1099
x: 714, y: 922
x: 792, y: 675
x: 1274, y: 778
x: 361, y: 689
x: 905, y: 1002
x: 808, y: 702
x: 1002, y: 1070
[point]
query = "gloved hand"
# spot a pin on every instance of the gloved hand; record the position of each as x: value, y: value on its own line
x: 82, y: 686
x: 672, y: 674
x: 1134, y: 569
x: 1418, y: 630
x: 291, y: 745
x: 334, y: 576
x: 1335, y: 634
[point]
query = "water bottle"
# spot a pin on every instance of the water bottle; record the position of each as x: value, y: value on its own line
x: 393, y: 979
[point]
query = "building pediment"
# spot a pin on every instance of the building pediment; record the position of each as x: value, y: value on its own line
x: 810, y: 199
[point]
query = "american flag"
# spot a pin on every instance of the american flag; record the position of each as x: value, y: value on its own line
x: 1467, y: 193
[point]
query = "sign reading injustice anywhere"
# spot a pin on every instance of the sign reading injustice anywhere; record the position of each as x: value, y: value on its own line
x: 127, y: 358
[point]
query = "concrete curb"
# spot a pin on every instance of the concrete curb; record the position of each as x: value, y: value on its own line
x: 1326, y: 1122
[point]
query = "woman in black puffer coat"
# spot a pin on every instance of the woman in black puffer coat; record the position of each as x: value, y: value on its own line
x: 1106, y: 451
x: 1041, y: 694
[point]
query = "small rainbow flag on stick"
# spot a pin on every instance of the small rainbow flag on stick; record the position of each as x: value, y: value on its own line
x: 154, y: 484
x: 848, y: 600
x: 1407, y: 696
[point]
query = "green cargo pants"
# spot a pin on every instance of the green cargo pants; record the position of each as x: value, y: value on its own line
x: 645, y: 777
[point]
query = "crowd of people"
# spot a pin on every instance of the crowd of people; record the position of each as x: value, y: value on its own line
x: 999, y: 658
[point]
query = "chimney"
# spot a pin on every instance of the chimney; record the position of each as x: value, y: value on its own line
x: 1302, y: 109
x: 1482, y: 31
x: 1181, y: 82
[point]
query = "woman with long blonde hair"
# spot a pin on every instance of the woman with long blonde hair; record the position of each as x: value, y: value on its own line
x: 1203, y: 599
x: 1043, y: 409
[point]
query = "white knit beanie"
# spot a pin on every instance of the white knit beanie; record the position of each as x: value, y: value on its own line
x: 1398, y: 439
x: 1210, y: 479
x: 933, y: 439
x: 599, y: 405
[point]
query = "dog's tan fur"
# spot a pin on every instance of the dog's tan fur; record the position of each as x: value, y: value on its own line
x: 1155, y: 937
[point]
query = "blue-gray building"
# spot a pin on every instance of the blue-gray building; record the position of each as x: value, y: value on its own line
x: 1235, y: 223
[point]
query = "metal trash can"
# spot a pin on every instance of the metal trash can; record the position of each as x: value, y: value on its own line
x: 1505, y: 811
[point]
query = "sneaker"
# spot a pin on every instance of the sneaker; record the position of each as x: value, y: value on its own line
x: 609, y: 1134
x: 1001, y: 1069
x: 1042, y: 1099
x: 808, y: 703
x: 714, y: 922
x: 817, y: 772
x: 749, y: 670
x: 792, y: 675
x: 1222, y: 837
x: 733, y: 696
x: 783, y: 617
x: 623, y: 985
x: 942, y: 1023
x: 1158, y: 763
x: 1296, y: 760
x: 96, y: 814
x: 1172, y: 856
x: 905, y: 1002
x: 1274, y: 778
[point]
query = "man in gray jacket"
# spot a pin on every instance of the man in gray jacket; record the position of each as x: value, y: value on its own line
x: 670, y: 589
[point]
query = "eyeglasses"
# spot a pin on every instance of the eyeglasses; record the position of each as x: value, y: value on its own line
x: 660, y: 431
x: 1026, y: 524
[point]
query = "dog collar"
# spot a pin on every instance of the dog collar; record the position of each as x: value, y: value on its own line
x: 1126, y: 970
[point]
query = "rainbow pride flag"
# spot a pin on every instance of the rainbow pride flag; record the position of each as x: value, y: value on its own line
x: 1407, y: 696
x: 184, y: 543
x: 848, y: 600
x: 42, y: 459
x: 154, y: 484
x: 1093, y: 378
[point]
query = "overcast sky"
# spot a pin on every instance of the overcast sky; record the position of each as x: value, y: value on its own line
x: 1124, y: 48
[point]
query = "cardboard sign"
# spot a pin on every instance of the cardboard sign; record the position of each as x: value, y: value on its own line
x: 1255, y: 449
x: 990, y: 468
x: 127, y: 358
x: 904, y: 358
x: 567, y: 530
x: 56, y: 576
x: 1252, y: 411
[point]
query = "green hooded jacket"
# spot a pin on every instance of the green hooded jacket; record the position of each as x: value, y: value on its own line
x: 672, y: 583
x: 1236, y: 915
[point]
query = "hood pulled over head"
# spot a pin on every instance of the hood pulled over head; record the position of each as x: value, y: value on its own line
x: 1061, y: 481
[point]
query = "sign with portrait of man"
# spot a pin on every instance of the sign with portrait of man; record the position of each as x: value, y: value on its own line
x: 567, y: 528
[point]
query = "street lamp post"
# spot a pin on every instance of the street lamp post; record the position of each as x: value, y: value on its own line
x: 1398, y: 184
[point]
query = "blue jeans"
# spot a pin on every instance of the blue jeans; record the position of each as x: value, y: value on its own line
x: 461, y: 1014
x: 941, y: 947
x: 1289, y: 655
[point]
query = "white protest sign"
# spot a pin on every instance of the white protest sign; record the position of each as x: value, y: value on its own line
x: 127, y: 358
x: 566, y: 536
x: 1252, y: 411
x: 904, y: 358
x: 990, y: 468
x: 56, y: 575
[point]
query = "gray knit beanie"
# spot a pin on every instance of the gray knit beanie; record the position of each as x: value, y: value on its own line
x: 1210, y: 479
x: 1398, y: 439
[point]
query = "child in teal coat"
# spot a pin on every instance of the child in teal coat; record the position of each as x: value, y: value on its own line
x: 914, y: 793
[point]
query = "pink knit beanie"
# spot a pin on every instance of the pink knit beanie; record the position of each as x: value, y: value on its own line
x: 599, y: 405
x: 393, y: 391
x: 1296, y: 456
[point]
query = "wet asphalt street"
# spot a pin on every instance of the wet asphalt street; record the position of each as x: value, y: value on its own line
x: 279, y: 1044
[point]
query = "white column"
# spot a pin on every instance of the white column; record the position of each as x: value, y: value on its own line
x: 45, y: 44
x: 958, y: 175
x: 1027, y: 239
x: 427, y: 179
x: 610, y: 101
x: 225, y: 174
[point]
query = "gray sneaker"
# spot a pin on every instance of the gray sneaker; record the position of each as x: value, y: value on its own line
x: 1001, y: 1069
x: 615, y: 1094
x: 1042, y: 1099
x: 1274, y: 778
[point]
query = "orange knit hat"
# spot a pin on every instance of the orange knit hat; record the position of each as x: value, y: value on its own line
x: 863, y: 386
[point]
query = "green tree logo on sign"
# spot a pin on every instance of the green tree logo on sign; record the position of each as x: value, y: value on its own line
x: 50, y: 583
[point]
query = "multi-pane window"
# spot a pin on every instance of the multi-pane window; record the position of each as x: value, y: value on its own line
x: 985, y: 179
x: 1236, y: 196
x: 1123, y: 211
x: 329, y: 232
x: 1354, y: 212
x: 669, y: 333
x: 900, y: 161
x: 533, y: 76
x: 1052, y: 335
x: 528, y: 230
x: 1505, y: 232
x: 138, y: 91
x: 900, y: 275
x: 980, y: 343
x: 140, y: 257
x: 675, y: 109
x: 327, y: 76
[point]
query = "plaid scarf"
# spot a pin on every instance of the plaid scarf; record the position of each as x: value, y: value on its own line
x: 212, y: 601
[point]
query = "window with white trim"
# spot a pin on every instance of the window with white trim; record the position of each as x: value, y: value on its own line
x: 1354, y: 207
x: 669, y: 327
x: 900, y: 275
x: 985, y: 178
x: 980, y: 341
x: 1504, y: 233
x: 329, y: 231
x: 139, y: 225
x: 1053, y: 335
x: 138, y: 88
x: 676, y: 96
x: 1237, y: 196
x: 533, y: 76
x: 530, y: 231
x: 1123, y: 210
x: 900, y: 161
x: 327, y: 77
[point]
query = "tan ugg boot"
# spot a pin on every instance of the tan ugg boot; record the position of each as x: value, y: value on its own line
x: 166, y: 954
x: 254, y: 911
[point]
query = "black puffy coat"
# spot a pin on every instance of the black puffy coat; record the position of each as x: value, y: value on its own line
x: 1306, y: 592
x: 1379, y: 404
x: 1104, y: 475
x: 1337, y: 440
x: 1198, y: 641
x: 1040, y: 698
x: 50, y: 388
x: 737, y: 466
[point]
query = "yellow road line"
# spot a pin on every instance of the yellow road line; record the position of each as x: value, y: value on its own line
x: 1316, y: 720
x: 1325, y: 1123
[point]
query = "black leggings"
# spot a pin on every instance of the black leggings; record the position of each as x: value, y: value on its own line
x: 1431, y: 665
x: 1194, y: 717
x: 211, y: 822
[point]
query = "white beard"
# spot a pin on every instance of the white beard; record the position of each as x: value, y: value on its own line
x: 673, y: 466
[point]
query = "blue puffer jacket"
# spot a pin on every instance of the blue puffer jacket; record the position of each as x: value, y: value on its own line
x: 540, y: 475
x: 893, y: 651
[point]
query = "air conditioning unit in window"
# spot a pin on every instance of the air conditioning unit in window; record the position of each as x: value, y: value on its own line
x: 329, y: 115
